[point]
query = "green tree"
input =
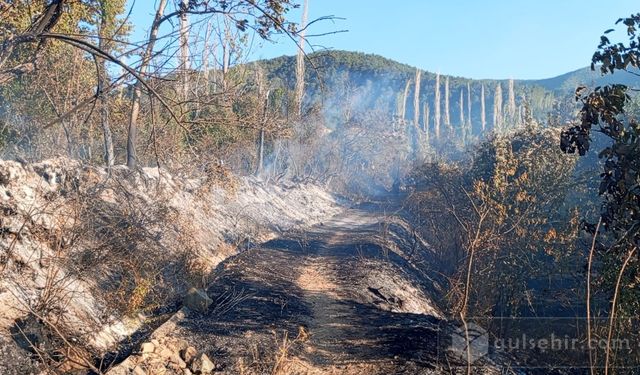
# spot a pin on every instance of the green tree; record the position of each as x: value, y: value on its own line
x: 604, y: 110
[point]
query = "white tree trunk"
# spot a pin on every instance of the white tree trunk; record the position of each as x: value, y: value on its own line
x: 403, y: 104
x: 497, y: 108
x: 462, y: 122
x: 511, y: 107
x: 469, y: 124
x: 425, y: 124
x: 416, y: 99
x: 132, y: 158
x: 103, y: 77
x: 184, y: 48
x: 226, y: 52
x: 436, y: 108
x: 425, y: 118
x: 206, y: 52
x: 447, y: 116
x: 463, y: 130
x: 483, y: 113
x: 300, y: 68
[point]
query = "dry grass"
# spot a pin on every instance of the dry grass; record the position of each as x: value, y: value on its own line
x: 280, y: 358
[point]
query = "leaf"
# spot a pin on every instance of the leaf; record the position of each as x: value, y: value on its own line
x: 608, y: 31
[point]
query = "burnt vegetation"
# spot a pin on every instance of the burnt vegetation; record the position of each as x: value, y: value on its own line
x: 495, y: 200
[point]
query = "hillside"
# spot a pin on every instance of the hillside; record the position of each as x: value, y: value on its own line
x: 366, y: 82
x: 113, y: 253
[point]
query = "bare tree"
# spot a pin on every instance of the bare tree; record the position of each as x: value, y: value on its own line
x: 497, y: 108
x: 447, y: 117
x: 103, y: 78
x: 425, y: 123
x: 299, y: 89
x: 469, y: 125
x: 462, y: 109
x: 436, y: 107
x: 463, y: 130
x: 403, y: 101
x: 416, y: 99
x: 208, y: 49
x: 263, y: 92
x: 226, y: 51
x: 184, y: 47
x: 416, y: 136
x: 425, y: 118
x: 511, y: 106
x: 483, y: 114
x: 137, y: 89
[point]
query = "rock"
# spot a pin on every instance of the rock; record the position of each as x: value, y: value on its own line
x: 186, y: 372
x: 197, y: 300
x: 188, y: 354
x: 202, y: 365
x: 158, y: 370
x: 139, y: 371
x: 147, y: 347
x: 175, y: 369
x: 175, y: 358
x: 155, y: 342
x: 166, y: 353
x: 177, y: 345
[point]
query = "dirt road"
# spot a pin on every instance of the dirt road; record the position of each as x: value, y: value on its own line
x: 353, y: 295
x: 344, y: 297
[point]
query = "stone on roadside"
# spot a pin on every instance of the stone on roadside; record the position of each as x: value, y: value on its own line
x: 202, y: 365
x: 166, y: 353
x: 147, y: 347
x: 175, y: 359
x: 188, y: 354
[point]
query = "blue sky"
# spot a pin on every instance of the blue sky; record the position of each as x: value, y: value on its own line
x: 469, y: 38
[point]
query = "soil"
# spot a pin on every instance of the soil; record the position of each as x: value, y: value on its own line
x: 351, y: 295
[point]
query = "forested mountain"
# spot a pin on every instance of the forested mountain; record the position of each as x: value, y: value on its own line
x: 347, y: 81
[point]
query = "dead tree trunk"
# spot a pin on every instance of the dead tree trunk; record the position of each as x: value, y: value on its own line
x: 300, y: 68
x: 425, y: 118
x: 403, y: 104
x: 416, y: 99
x: 469, y: 124
x: 447, y: 117
x: 184, y: 48
x: 416, y: 113
x: 483, y: 113
x: 436, y: 108
x: 263, y: 94
x: 511, y: 107
x: 462, y: 108
x: 497, y: 108
x: 205, y: 59
x: 425, y: 124
x: 463, y: 131
x: 109, y: 155
x: 132, y: 158
x: 226, y: 53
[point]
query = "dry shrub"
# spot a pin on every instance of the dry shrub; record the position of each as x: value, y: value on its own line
x: 217, y: 175
x: 277, y: 358
x: 126, y: 243
x: 506, y: 209
x: 135, y: 248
